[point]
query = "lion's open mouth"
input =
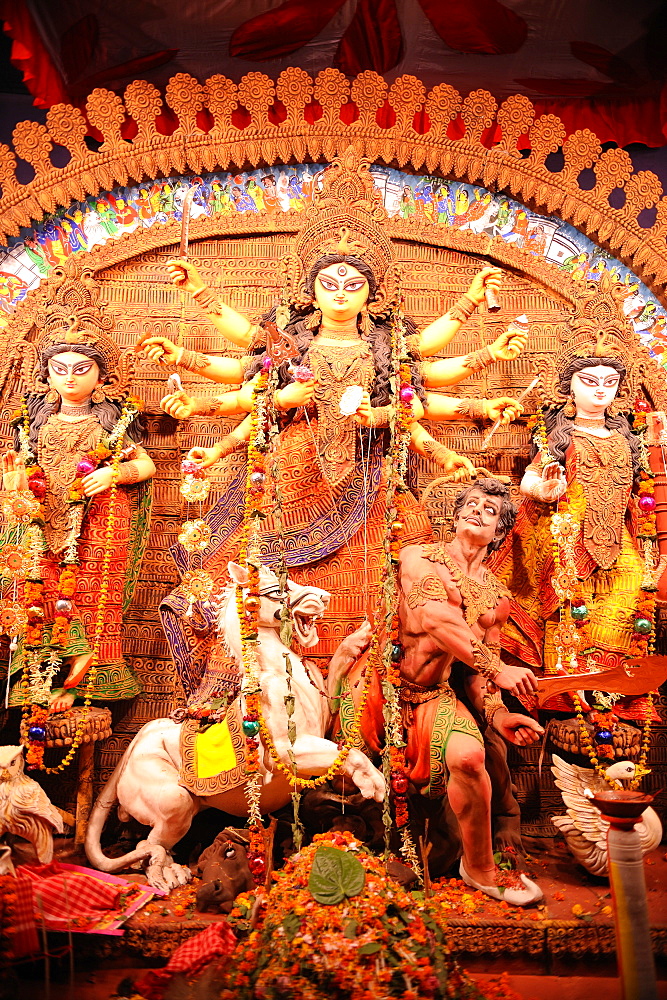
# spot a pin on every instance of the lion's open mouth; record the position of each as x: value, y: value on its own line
x: 305, y: 628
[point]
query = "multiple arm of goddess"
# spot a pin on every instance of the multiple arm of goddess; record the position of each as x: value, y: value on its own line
x: 436, y: 374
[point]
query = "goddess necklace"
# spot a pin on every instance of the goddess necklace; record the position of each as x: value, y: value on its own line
x: 596, y: 423
x: 76, y: 409
x: 347, y: 332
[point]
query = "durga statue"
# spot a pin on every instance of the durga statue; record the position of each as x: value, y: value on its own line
x: 329, y: 342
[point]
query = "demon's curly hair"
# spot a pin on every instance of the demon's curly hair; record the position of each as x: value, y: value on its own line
x: 492, y: 488
x: 559, y: 427
x: 107, y: 412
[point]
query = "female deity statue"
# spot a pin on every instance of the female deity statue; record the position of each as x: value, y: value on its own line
x: 580, y: 587
x: 334, y: 402
x: 76, y: 540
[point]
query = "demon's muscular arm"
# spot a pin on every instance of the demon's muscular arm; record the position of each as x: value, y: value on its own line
x: 433, y: 608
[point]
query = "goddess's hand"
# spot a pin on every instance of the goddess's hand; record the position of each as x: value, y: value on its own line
x: 502, y: 408
x: 97, y: 481
x: 458, y: 467
x: 488, y: 277
x: 206, y: 457
x: 14, y: 477
x: 178, y: 405
x: 364, y: 413
x: 185, y: 275
x: 294, y: 395
x: 161, y: 349
x: 508, y: 345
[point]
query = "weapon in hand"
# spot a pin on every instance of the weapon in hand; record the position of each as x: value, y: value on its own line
x: 634, y: 677
x: 496, y: 424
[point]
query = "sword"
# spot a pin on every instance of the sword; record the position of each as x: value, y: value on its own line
x: 183, y: 253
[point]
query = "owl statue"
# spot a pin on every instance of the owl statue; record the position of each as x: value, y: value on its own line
x: 25, y: 809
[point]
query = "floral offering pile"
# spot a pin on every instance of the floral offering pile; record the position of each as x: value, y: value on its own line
x: 334, y: 925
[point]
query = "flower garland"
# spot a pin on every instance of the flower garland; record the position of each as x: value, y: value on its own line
x: 36, y: 678
x: 572, y: 633
x: 394, y: 762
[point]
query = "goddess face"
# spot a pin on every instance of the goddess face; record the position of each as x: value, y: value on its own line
x: 341, y: 292
x: 73, y: 376
x: 594, y: 389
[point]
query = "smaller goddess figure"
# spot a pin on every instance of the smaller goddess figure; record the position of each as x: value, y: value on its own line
x: 80, y: 539
x: 580, y: 587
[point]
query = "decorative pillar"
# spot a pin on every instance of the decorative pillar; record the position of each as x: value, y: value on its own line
x: 622, y: 810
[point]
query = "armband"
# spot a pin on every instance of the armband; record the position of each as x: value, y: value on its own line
x: 192, y: 361
x: 207, y: 300
x: 473, y: 408
x: 492, y: 703
x: 485, y: 660
x: 462, y: 309
x: 478, y: 360
x: 380, y: 415
x: 437, y: 452
x: 128, y: 473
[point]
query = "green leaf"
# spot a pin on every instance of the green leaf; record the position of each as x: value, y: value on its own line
x: 350, y: 929
x: 335, y: 874
x: 291, y: 925
x: 370, y: 948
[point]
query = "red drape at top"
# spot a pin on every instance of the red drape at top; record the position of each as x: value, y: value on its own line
x: 597, y: 72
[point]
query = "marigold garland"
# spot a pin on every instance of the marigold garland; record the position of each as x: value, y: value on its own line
x: 36, y: 680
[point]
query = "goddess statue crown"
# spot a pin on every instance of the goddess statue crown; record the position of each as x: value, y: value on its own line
x: 597, y: 329
x: 346, y: 218
x: 66, y: 309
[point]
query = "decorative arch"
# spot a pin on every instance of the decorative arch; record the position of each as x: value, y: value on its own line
x: 220, y: 124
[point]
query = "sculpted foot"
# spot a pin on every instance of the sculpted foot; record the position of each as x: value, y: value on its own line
x: 78, y: 666
x: 520, y: 891
x: 60, y: 700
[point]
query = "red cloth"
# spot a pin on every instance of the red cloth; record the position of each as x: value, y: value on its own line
x: 30, y: 55
x: 216, y: 941
x: 58, y: 900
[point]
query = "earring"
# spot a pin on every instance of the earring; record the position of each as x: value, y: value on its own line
x: 365, y: 322
x: 52, y: 396
x: 314, y: 319
x: 98, y: 396
x: 570, y: 410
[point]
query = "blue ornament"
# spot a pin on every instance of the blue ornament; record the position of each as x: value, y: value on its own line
x: 604, y: 736
x: 396, y: 652
x: 37, y: 733
x: 250, y: 727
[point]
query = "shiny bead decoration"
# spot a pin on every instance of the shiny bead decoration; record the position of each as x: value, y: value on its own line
x: 85, y: 467
x: 396, y: 652
x: 646, y: 502
x: 642, y: 625
x: 250, y: 727
x: 37, y: 733
x: 63, y: 606
x: 579, y: 612
x: 407, y: 394
x: 399, y: 784
x: 604, y: 736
